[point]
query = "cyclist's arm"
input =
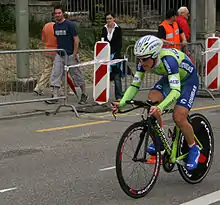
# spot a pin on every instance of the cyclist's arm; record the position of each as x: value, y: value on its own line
x: 174, y: 82
x: 172, y: 68
x: 133, y: 88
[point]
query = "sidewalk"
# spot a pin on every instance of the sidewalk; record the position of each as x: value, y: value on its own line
x: 37, y: 108
x: 40, y: 108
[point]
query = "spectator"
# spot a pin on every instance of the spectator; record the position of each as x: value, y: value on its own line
x: 111, y: 32
x: 49, y: 41
x: 67, y: 39
x: 183, y: 15
x: 169, y: 31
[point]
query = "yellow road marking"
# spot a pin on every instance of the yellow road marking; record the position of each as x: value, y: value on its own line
x: 107, y: 121
x: 206, y: 107
x: 72, y: 126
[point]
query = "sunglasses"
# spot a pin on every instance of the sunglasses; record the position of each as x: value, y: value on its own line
x: 144, y: 59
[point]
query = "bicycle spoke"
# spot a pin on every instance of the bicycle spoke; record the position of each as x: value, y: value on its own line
x: 125, y: 162
x: 128, y: 144
x: 139, y: 177
x: 138, y: 183
x: 145, y: 177
x: 127, y: 154
x: 128, y: 166
x: 136, y: 175
x: 132, y: 145
x: 131, y: 138
x: 132, y: 172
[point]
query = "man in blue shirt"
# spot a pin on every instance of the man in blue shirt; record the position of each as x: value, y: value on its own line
x: 67, y: 39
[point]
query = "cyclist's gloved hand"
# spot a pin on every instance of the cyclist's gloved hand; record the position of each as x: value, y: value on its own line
x: 115, y: 106
x: 156, y: 112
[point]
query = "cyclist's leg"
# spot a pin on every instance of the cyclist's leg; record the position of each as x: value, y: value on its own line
x: 180, y: 118
x: 157, y: 94
x: 180, y: 114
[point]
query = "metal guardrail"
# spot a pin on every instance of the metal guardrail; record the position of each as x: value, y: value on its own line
x: 15, y: 90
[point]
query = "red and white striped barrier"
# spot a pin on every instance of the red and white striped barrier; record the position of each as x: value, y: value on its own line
x: 212, y: 74
x: 101, y: 82
x: 101, y: 62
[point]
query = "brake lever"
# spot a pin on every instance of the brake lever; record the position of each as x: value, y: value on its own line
x: 114, y: 115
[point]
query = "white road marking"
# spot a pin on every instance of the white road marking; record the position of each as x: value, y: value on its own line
x: 107, y: 168
x: 205, y: 200
x: 9, y: 189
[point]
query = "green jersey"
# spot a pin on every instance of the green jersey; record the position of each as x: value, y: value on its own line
x: 173, y: 64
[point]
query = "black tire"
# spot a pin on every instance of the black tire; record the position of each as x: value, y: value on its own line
x: 204, y: 133
x: 130, y: 191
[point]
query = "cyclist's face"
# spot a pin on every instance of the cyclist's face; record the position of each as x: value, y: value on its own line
x: 147, y: 63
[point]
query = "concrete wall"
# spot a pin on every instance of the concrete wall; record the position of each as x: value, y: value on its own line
x: 41, y: 10
x: 206, y: 17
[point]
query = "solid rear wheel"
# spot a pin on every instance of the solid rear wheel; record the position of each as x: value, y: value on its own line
x: 204, y: 133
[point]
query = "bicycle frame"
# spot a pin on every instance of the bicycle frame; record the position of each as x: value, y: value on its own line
x: 153, y: 126
x: 171, y: 151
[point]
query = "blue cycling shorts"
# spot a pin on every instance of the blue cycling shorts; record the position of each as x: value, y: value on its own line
x: 189, y: 88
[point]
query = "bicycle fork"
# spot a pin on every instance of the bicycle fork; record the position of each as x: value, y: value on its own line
x: 142, y: 137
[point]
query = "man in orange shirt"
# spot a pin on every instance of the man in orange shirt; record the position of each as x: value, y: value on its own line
x: 170, y: 32
x: 49, y: 41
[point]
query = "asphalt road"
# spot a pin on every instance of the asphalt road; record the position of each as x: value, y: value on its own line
x: 62, y: 160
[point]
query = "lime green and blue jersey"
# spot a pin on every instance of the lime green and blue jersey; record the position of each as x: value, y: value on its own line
x: 179, y: 82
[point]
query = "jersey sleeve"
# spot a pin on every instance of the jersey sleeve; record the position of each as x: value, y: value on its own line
x: 172, y: 68
x: 134, y: 87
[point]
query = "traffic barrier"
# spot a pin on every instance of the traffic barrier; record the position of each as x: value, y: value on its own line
x: 212, y: 73
x: 101, y: 77
x: 101, y: 80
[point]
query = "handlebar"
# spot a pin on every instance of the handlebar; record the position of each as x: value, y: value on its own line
x: 138, y: 103
x: 141, y: 104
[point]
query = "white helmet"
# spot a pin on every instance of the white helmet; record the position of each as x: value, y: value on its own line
x: 148, y: 46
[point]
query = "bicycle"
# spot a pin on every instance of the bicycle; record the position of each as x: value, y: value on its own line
x: 176, y: 151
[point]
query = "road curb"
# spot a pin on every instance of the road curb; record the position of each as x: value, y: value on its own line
x: 206, y: 94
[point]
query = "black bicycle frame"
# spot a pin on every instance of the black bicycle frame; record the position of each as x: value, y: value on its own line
x: 142, y: 137
x: 158, y: 131
x: 151, y: 127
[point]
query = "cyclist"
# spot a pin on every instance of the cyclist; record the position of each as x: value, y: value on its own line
x: 179, y: 84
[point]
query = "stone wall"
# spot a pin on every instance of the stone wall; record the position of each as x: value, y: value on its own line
x: 41, y: 10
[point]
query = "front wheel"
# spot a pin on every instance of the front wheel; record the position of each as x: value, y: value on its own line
x: 203, y: 132
x: 136, y: 171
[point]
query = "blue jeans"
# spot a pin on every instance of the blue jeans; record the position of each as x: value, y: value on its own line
x: 118, y: 85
